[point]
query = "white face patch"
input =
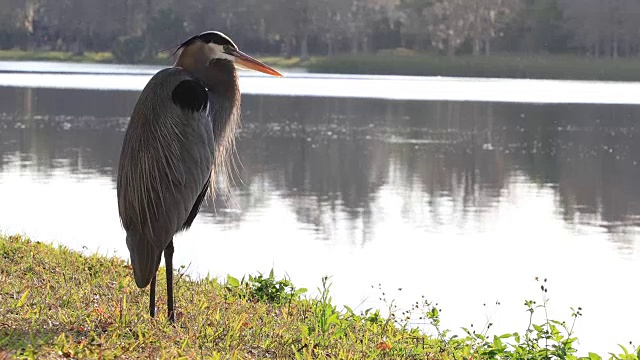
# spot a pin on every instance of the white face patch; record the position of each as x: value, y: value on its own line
x: 215, y: 51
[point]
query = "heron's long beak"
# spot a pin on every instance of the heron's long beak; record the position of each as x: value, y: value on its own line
x: 250, y: 63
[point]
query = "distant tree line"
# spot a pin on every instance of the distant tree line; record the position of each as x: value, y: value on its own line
x: 136, y: 29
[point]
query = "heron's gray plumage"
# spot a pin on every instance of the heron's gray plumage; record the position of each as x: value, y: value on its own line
x: 179, y: 139
x: 167, y: 158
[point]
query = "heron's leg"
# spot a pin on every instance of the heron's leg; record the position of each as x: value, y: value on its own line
x: 152, y: 297
x: 168, y: 262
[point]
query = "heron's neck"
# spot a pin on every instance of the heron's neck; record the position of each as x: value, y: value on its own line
x: 221, y: 81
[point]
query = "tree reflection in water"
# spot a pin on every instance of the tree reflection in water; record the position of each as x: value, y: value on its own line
x: 331, y: 160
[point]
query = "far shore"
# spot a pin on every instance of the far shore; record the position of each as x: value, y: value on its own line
x: 404, y: 62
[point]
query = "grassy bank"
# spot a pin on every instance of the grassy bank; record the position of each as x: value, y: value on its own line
x: 108, y: 58
x: 88, y: 57
x: 497, y: 66
x: 409, y: 63
x: 61, y: 56
x: 56, y: 303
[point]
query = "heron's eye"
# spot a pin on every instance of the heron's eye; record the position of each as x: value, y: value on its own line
x: 226, y: 49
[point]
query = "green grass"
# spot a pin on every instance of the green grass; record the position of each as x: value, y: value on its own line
x: 294, y: 62
x: 61, y: 56
x: 56, y: 303
x: 497, y: 66
x: 88, y: 57
x: 107, y: 57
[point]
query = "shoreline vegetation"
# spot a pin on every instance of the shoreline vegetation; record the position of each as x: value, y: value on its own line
x: 406, y: 62
x: 58, y: 303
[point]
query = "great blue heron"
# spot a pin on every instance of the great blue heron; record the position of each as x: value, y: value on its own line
x: 180, y: 135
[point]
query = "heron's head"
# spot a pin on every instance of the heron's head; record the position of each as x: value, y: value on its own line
x: 208, y: 47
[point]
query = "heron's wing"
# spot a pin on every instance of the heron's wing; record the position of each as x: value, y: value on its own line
x: 190, y: 95
x: 166, y: 161
x: 196, y: 207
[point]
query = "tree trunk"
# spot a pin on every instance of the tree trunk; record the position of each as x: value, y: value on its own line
x: 330, y: 46
x: 263, y: 34
x: 77, y: 48
x: 127, y: 18
x: 304, y: 47
x: 451, y: 50
x: 476, y: 46
x: 149, y: 52
x: 286, y: 51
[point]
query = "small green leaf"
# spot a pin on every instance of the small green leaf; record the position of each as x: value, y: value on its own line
x: 516, y: 337
x: 497, y: 342
x: 594, y: 356
x: 304, y: 329
x: 626, y: 352
x: 333, y: 318
x: 23, y: 298
x: 231, y: 281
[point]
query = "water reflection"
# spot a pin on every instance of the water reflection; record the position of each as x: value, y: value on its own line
x: 330, y: 158
x: 462, y: 155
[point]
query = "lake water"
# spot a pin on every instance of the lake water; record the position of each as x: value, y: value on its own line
x: 372, y: 180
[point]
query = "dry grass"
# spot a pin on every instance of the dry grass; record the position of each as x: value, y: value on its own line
x: 56, y: 303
